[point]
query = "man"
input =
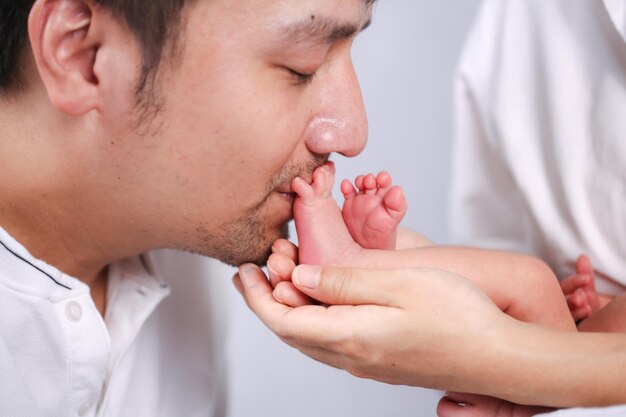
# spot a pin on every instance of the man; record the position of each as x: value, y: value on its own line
x: 131, y: 126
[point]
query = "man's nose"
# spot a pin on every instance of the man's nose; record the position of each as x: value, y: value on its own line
x: 339, y: 124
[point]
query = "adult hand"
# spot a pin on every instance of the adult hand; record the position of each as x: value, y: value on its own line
x: 420, y: 327
x: 455, y: 404
x: 280, y: 267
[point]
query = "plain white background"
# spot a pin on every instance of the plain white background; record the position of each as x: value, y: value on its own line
x: 405, y: 63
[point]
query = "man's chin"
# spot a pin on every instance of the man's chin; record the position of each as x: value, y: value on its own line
x: 246, y: 246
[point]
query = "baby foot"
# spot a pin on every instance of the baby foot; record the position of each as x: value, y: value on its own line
x: 374, y: 212
x: 323, y: 236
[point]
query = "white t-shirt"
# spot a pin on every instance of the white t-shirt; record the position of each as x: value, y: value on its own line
x: 540, y: 157
x: 157, y: 352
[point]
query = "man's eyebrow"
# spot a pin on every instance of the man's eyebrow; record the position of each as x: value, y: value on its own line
x: 322, y: 30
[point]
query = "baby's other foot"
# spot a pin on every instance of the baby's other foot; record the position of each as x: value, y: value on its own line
x: 374, y: 210
x: 322, y: 234
x: 580, y: 290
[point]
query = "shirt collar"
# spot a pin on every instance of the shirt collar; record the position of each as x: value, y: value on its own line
x: 23, y: 272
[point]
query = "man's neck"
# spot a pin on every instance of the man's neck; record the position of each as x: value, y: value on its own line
x: 43, y: 233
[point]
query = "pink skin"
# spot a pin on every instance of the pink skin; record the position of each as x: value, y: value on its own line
x: 369, y: 219
x: 470, y: 405
x: 373, y: 212
x: 580, y: 290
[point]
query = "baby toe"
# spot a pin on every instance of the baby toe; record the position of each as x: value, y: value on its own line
x: 384, y: 181
x: 347, y: 189
x: 369, y: 184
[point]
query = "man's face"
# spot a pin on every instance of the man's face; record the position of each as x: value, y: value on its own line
x: 240, y: 120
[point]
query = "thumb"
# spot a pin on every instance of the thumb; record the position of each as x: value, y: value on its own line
x: 350, y: 286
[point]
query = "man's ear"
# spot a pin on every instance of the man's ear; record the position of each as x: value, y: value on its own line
x: 66, y: 38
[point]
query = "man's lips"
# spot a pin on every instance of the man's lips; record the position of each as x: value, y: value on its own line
x: 286, y: 188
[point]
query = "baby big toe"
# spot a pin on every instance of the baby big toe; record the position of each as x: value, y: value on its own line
x: 395, y: 203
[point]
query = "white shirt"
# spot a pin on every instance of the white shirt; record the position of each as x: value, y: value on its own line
x: 540, y: 158
x: 157, y: 352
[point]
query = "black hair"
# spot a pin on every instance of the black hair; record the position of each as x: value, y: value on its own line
x: 154, y: 23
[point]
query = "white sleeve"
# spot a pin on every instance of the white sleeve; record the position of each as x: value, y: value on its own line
x: 486, y: 207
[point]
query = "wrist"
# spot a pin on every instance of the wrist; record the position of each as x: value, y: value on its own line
x: 555, y: 368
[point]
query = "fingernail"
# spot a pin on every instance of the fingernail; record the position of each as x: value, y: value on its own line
x: 277, y: 297
x: 307, y: 276
x: 271, y: 270
x: 246, y: 273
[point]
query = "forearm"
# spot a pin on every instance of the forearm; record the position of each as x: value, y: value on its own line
x: 611, y: 318
x: 533, y: 365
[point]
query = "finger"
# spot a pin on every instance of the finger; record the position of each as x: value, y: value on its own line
x: 571, y: 284
x: 287, y: 248
x: 583, y: 265
x: 238, y: 284
x: 346, y: 286
x: 449, y: 408
x: 461, y: 397
x: 471, y: 405
x: 581, y: 313
x: 576, y: 300
x: 286, y: 293
x: 572, y: 302
x: 280, y: 268
x: 258, y: 294
x: 347, y: 189
x: 310, y: 324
